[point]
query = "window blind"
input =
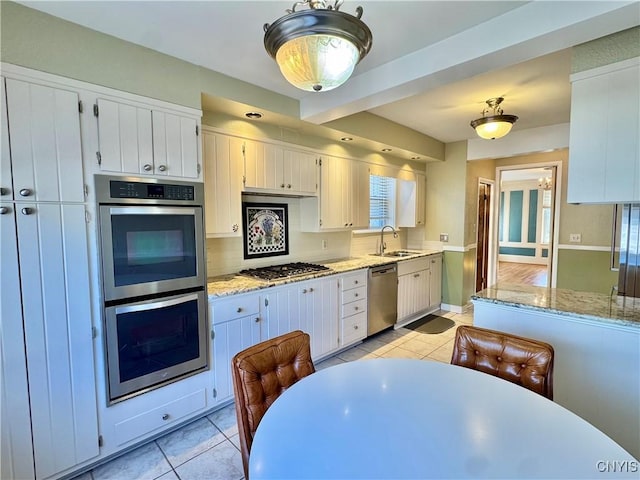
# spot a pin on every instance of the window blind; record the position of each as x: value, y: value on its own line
x: 381, y: 201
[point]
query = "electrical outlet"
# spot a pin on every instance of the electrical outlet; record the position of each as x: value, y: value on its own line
x: 324, y: 244
x: 575, y: 237
x: 444, y: 237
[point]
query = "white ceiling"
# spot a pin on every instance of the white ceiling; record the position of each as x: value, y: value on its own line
x: 431, y: 68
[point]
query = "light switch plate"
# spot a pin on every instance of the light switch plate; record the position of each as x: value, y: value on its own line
x: 444, y: 237
x: 575, y: 237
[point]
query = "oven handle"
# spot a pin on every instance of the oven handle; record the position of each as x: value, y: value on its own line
x: 143, y: 306
x: 153, y: 210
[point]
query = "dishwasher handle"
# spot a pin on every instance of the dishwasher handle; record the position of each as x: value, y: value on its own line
x: 383, y: 270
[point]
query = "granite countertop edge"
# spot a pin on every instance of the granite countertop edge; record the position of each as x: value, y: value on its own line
x: 605, y: 309
x: 234, y: 284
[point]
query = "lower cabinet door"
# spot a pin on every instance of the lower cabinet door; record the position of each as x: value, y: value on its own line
x: 230, y: 338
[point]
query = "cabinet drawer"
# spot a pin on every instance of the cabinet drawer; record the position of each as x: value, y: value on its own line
x: 415, y: 265
x: 160, y: 417
x: 237, y: 306
x: 354, y: 307
x: 354, y: 280
x: 354, y: 328
x: 354, y: 294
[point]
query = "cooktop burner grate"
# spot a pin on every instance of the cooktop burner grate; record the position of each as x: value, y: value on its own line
x: 287, y: 270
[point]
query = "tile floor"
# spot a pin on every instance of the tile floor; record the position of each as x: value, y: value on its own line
x: 208, y: 448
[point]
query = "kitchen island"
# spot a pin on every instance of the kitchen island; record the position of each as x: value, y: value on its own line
x: 596, y: 339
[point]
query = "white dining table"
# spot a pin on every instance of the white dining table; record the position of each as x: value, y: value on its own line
x: 418, y: 419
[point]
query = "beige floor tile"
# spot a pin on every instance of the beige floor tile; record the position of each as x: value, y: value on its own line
x: 442, y: 354
x: 190, y: 441
x: 399, y: 352
x: 222, y: 462
x: 355, y: 353
x: 376, y: 346
x: 146, y: 462
x: 418, y: 346
x: 329, y: 362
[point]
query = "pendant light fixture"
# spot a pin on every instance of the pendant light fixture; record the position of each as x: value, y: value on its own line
x: 493, y: 124
x: 317, y: 48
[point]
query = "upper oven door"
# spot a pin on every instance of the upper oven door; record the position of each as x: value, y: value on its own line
x: 148, y: 250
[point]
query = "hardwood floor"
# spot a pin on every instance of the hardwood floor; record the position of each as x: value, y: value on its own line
x: 522, y: 273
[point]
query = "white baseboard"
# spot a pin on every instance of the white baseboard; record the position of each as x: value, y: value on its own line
x: 451, y: 308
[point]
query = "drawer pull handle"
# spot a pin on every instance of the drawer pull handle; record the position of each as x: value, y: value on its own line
x: 239, y: 309
x: 304, y: 290
x: 165, y: 416
x: 147, y: 167
x: 356, y: 308
x: 355, y: 327
x: 310, y: 289
x: 355, y: 282
x: 355, y: 294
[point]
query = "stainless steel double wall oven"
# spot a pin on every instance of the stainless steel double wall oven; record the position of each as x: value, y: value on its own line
x: 154, y: 282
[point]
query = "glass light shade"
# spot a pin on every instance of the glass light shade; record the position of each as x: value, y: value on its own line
x: 317, y: 62
x: 493, y: 129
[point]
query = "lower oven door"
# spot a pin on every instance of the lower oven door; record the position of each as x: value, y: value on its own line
x: 153, y: 342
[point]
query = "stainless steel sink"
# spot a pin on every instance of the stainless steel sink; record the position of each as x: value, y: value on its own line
x: 396, y: 253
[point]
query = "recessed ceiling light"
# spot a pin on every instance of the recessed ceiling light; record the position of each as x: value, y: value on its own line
x: 415, y: 158
x: 253, y: 115
x: 346, y: 139
x: 386, y: 149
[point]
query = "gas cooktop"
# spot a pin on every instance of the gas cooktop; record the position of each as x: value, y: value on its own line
x: 288, y: 270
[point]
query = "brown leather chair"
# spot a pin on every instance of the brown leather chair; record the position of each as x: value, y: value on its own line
x: 260, y: 374
x: 524, y: 361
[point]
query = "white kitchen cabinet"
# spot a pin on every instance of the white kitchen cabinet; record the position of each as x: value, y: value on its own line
x: 270, y: 168
x: 310, y: 306
x: 604, y: 143
x: 45, y: 157
x: 343, y: 201
x: 237, y: 324
x: 411, y: 198
x: 56, y: 318
x: 435, y: 281
x: 223, y: 184
x: 134, y: 138
x: 49, y: 408
x: 413, y: 288
x: 353, y: 307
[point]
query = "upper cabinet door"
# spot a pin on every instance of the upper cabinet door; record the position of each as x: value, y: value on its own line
x: 175, y: 145
x: 604, y: 144
x: 44, y: 131
x: 300, y: 172
x: 125, y: 137
x: 6, y: 182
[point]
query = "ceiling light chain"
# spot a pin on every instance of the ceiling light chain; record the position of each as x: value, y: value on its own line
x: 318, y: 48
x: 493, y: 124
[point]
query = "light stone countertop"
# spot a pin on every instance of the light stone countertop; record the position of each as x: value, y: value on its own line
x: 592, y: 306
x: 232, y: 284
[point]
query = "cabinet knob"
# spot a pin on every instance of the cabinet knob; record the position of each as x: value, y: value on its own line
x: 288, y: 185
x: 4, y: 210
x: 304, y: 290
x: 162, y: 168
x: 4, y: 191
x: 27, y: 211
x: 356, y: 308
x: 239, y: 309
x: 355, y: 282
x: 282, y: 185
x: 346, y: 224
x: 310, y: 289
x: 25, y: 192
x: 416, y: 275
x: 257, y: 319
x: 147, y: 167
x: 355, y: 327
x: 166, y: 416
x: 235, y: 227
x: 355, y: 294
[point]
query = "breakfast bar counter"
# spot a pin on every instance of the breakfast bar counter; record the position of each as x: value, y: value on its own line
x: 597, y: 349
x: 586, y: 305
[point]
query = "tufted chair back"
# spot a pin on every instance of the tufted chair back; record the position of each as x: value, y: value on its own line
x: 520, y: 360
x: 260, y: 374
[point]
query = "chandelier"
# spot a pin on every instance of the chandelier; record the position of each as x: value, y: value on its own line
x: 545, y: 183
x: 493, y: 124
x: 317, y: 48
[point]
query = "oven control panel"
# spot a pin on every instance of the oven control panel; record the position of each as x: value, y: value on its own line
x: 150, y: 191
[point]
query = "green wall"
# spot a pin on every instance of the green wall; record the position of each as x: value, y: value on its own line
x: 586, y: 270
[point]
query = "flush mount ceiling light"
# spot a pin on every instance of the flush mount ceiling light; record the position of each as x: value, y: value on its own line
x: 493, y: 124
x: 253, y: 115
x: 317, y: 48
x: 346, y: 139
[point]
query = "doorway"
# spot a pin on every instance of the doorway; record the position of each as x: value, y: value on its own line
x: 526, y: 235
x: 483, y: 244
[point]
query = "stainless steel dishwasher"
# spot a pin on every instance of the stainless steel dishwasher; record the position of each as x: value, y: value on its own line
x: 383, y: 297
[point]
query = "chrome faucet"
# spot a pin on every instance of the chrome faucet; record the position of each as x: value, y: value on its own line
x: 383, y: 246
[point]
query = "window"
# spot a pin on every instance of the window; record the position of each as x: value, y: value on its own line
x: 546, y: 216
x: 382, y: 196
